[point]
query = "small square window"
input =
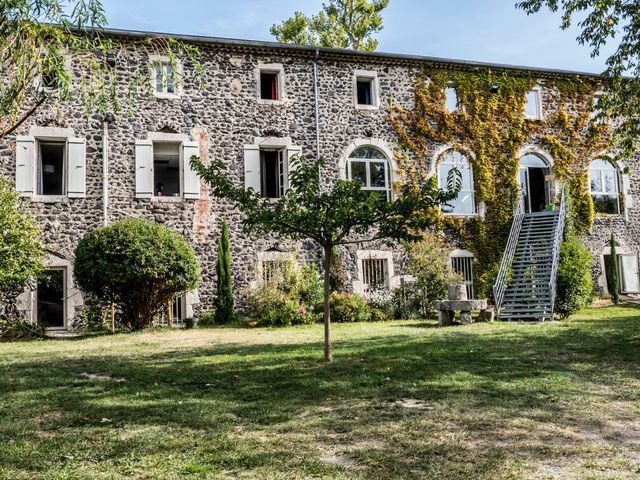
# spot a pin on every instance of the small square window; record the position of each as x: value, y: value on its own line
x: 375, y: 273
x: 269, y: 88
x: 272, y: 173
x: 165, y: 77
x: 166, y: 169
x: 51, y: 168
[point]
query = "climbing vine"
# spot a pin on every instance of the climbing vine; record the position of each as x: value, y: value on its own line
x: 490, y: 127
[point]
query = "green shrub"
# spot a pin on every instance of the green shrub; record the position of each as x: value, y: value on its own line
x: 349, y: 307
x: 11, y: 330
x: 381, y: 305
x: 224, y: 310
x: 405, y: 302
x: 138, y: 264
x: 574, y: 285
x: 428, y: 263
x: 613, y: 279
x: 207, y: 318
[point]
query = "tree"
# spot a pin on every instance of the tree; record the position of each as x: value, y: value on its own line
x: 224, y: 312
x: 603, y: 21
x: 340, y: 24
x: 37, y: 39
x: 342, y: 215
x: 21, y: 251
x: 614, y: 279
x: 138, y: 264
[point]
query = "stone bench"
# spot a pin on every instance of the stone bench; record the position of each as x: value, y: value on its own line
x: 447, y: 308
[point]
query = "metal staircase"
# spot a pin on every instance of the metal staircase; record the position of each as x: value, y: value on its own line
x: 526, y: 284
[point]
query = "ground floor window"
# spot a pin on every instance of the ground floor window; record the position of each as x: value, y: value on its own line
x: 375, y: 273
x: 178, y: 312
x: 628, y: 272
x: 273, y: 270
x: 50, y: 298
x: 462, y: 264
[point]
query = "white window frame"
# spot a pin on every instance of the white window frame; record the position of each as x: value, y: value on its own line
x: 449, y: 89
x: 617, y: 182
x: 275, y: 68
x: 537, y: 91
x: 458, y: 254
x: 179, y: 143
x: 38, y: 83
x: 438, y: 164
x: 387, y: 189
x: 270, y: 256
x: 370, y: 76
x: 283, y: 181
x: 178, y: 81
x: 65, y: 168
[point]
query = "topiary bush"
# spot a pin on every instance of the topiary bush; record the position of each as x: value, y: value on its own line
x: 138, y: 264
x: 574, y: 285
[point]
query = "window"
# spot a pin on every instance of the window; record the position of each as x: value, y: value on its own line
x: 51, y: 168
x: 270, y: 80
x: 598, y: 115
x: 269, y: 86
x: 178, y: 312
x: 273, y: 270
x: 603, y: 181
x: 465, y: 203
x: 533, y: 105
x: 370, y: 167
x: 166, y: 169
x: 451, y: 99
x: 375, y: 273
x: 165, y: 76
x: 628, y: 272
x: 366, y: 89
x: 462, y: 264
x: 272, y: 173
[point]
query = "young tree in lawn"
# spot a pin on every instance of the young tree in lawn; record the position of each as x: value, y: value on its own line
x: 614, y: 279
x: 340, y: 24
x: 21, y: 251
x: 608, y: 22
x: 344, y: 214
x: 224, y: 312
x: 37, y: 40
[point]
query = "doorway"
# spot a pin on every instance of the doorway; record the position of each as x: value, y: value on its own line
x: 50, y: 294
x: 628, y: 272
x: 533, y: 182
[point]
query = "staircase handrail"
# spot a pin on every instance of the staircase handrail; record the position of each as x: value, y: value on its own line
x: 500, y: 285
x: 556, y: 250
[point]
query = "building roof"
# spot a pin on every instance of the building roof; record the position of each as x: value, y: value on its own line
x: 318, y: 52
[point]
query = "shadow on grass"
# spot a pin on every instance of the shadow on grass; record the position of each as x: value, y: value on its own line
x: 517, y: 370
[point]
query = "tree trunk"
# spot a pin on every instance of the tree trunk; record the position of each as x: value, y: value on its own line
x: 328, y: 356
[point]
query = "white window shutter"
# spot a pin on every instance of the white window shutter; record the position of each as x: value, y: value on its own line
x: 25, y: 161
x: 252, y: 167
x: 191, y: 189
x: 144, y: 169
x: 292, y: 151
x: 77, y: 168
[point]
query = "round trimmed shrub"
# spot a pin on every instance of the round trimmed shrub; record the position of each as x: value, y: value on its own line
x: 138, y: 264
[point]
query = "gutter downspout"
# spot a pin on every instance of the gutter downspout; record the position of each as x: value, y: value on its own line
x: 315, y: 93
x: 105, y: 171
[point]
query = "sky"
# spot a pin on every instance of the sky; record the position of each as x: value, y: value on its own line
x: 480, y: 30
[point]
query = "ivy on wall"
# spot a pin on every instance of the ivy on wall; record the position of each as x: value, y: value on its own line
x: 490, y: 127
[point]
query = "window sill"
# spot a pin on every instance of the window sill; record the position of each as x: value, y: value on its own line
x: 167, y: 199
x: 167, y: 96
x: 367, y: 107
x: 461, y: 215
x: 262, y: 101
x: 533, y: 118
x: 50, y: 199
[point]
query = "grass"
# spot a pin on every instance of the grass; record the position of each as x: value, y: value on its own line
x: 402, y: 400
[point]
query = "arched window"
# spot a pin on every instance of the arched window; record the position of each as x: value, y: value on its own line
x: 604, y: 184
x: 370, y: 167
x: 465, y: 204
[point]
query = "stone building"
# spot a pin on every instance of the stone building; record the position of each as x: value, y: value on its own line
x: 255, y: 106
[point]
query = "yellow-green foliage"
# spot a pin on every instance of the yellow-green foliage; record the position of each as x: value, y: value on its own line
x: 491, y: 128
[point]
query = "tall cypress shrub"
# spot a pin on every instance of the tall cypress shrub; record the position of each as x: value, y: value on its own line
x: 614, y: 279
x: 224, y: 312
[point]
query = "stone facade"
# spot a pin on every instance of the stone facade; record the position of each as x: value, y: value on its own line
x: 221, y: 117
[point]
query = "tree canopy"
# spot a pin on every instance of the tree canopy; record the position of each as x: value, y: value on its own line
x: 340, y: 24
x: 341, y: 215
x: 604, y: 22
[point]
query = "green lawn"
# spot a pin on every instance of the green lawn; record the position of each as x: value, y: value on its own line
x: 402, y: 400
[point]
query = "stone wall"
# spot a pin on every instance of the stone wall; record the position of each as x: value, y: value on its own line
x: 224, y: 115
